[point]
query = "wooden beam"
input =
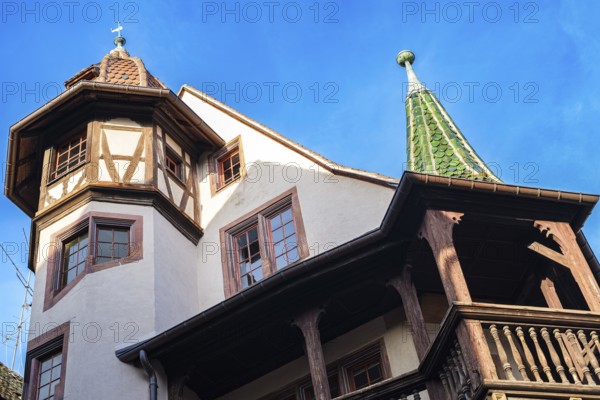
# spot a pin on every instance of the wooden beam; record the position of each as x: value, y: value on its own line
x: 437, y: 230
x: 403, y: 284
x: 549, y: 292
x: 308, y: 323
x: 562, y: 233
x: 549, y: 253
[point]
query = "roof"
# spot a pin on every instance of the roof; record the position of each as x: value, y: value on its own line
x: 414, y: 192
x: 120, y: 68
x: 322, y: 161
x: 435, y: 145
x: 11, y: 384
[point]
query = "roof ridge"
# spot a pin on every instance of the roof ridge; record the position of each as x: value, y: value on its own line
x: 333, y: 167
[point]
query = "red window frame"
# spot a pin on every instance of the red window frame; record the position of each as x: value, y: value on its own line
x: 46, y: 388
x: 366, y: 365
x: 248, y: 258
x: 79, y: 256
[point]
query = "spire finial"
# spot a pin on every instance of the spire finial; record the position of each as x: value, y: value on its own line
x: 405, y: 58
x: 119, y: 40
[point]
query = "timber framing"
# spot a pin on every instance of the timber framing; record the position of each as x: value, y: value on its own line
x: 92, y: 101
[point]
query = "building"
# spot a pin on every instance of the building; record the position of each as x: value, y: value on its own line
x: 184, y: 251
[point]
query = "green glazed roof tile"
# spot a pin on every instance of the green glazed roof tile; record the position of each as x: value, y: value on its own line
x: 435, y: 145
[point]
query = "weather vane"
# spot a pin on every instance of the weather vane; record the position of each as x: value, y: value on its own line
x: 119, y: 40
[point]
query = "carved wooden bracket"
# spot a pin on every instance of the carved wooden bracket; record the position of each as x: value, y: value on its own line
x: 437, y: 230
x: 571, y: 258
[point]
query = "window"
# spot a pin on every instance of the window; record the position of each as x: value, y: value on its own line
x: 226, y: 166
x: 49, y: 376
x: 174, y: 163
x: 75, y: 253
x: 229, y: 167
x: 111, y: 243
x: 359, y: 370
x: 96, y: 242
x: 69, y: 155
x: 263, y: 242
x: 365, y: 372
x: 45, y: 365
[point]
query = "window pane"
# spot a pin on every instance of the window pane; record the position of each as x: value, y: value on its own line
x: 253, y: 234
x: 279, y: 248
x: 293, y: 255
x: 360, y: 379
x: 275, y: 222
x: 45, y: 378
x: 254, y: 248
x: 43, y: 392
x: 287, y: 215
x: 258, y: 275
x: 375, y: 374
x: 281, y: 261
x: 104, y: 250
x: 71, y: 274
x: 121, y: 250
x: 104, y: 235
x: 100, y: 260
x: 277, y: 235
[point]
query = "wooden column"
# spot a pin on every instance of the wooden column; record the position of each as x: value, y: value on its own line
x: 406, y: 289
x: 308, y: 323
x: 437, y: 230
x: 571, y: 257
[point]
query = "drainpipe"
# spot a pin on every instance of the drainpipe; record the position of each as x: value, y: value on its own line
x: 151, y: 374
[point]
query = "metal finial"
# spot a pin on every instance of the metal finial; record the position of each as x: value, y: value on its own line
x: 119, y: 40
x: 404, y: 56
x: 405, y: 59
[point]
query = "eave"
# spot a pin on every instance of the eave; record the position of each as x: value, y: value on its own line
x: 343, y: 267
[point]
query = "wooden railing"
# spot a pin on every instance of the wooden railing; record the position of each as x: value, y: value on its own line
x: 514, y: 350
x: 547, y: 354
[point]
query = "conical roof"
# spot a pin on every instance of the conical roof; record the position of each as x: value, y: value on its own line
x: 435, y: 145
x: 118, y: 67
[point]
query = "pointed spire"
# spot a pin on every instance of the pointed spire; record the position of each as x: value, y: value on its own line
x: 435, y: 145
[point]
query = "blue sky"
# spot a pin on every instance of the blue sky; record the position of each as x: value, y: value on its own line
x: 520, y: 78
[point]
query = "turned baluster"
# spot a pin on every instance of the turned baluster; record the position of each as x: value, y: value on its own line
x: 590, y: 352
x: 403, y: 397
x: 566, y: 356
x: 455, y: 379
x: 416, y: 395
x: 461, y: 373
x: 463, y: 364
x: 596, y: 340
x: 444, y: 379
x: 515, y: 353
x: 502, y: 354
x: 541, y: 356
x: 528, y: 355
x: 579, y: 358
x: 554, y: 355
x: 451, y: 383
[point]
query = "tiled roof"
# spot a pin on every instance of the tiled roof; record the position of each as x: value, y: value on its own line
x: 11, y: 384
x: 434, y: 144
x: 120, y: 68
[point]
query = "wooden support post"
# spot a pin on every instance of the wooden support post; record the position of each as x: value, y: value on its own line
x: 477, y: 354
x: 437, y: 230
x: 308, y: 323
x: 571, y: 257
x: 406, y: 289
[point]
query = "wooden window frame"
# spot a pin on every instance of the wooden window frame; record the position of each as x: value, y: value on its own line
x: 171, y: 155
x: 339, y: 368
x: 259, y: 217
x: 55, y: 290
x: 214, y: 167
x: 81, y: 132
x: 39, y: 348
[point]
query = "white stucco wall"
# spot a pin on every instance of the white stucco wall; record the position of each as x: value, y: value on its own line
x: 108, y: 309
x: 335, y: 209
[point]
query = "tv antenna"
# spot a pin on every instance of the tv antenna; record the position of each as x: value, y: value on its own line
x: 26, y: 282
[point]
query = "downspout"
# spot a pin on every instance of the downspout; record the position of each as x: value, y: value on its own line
x: 151, y: 374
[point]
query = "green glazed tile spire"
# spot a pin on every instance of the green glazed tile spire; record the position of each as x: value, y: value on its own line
x: 435, y: 145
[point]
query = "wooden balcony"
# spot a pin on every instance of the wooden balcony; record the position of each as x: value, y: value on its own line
x: 493, y: 350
